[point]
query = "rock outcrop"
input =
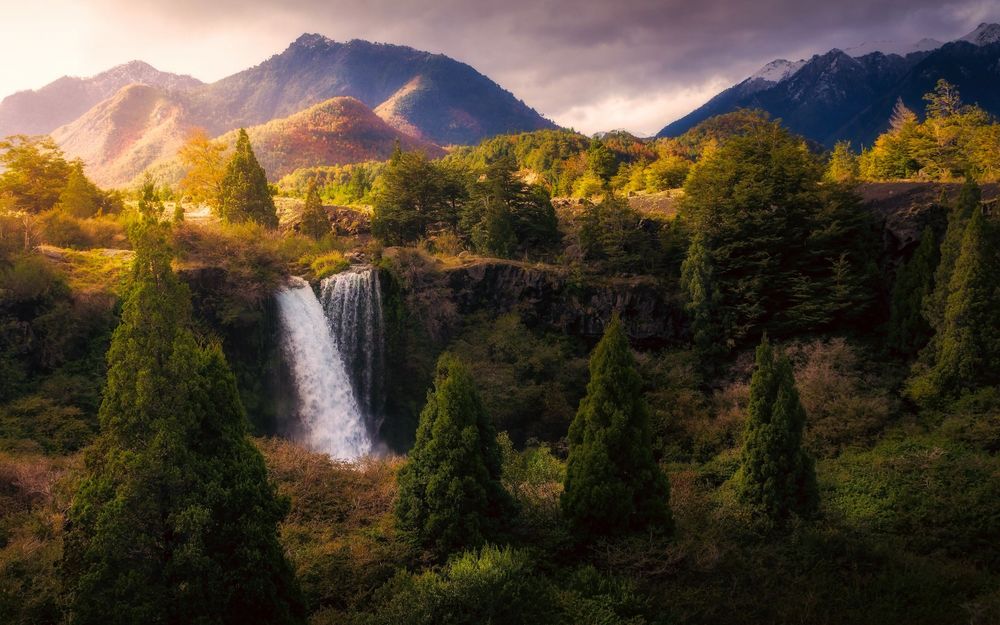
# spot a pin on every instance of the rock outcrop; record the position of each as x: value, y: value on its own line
x: 582, y: 307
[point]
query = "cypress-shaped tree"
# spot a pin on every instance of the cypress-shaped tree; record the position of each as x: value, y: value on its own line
x: 244, y: 193
x: 968, y: 201
x: 315, y: 222
x: 776, y: 478
x: 175, y: 520
x: 80, y: 198
x: 613, y: 484
x: 909, y: 330
x: 969, y: 344
x: 450, y: 495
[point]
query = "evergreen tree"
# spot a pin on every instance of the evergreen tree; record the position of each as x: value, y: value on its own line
x: 969, y: 347
x: 504, y: 215
x: 175, y: 520
x: 958, y: 218
x: 244, y: 194
x: 80, y: 197
x: 787, y: 253
x: 450, y: 495
x: 708, y: 321
x: 601, y: 161
x: 776, y: 478
x: 613, y: 483
x: 414, y: 195
x: 315, y: 222
x: 909, y: 330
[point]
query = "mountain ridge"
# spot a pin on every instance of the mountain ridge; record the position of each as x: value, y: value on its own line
x: 836, y: 96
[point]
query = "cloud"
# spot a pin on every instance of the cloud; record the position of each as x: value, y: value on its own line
x: 592, y: 64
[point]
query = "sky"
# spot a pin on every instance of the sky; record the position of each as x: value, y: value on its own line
x: 586, y: 64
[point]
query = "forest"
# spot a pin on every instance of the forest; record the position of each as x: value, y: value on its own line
x: 704, y: 379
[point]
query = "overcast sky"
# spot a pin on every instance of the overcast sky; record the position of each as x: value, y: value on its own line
x: 588, y: 64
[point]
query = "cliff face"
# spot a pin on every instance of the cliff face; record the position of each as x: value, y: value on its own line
x: 552, y: 298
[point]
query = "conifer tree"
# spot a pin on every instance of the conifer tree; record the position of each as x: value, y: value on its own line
x: 80, y: 198
x: 315, y: 222
x: 967, y: 202
x: 909, y: 330
x: 450, y: 494
x: 969, y: 346
x: 776, y: 478
x: 244, y: 193
x: 175, y: 520
x: 613, y: 483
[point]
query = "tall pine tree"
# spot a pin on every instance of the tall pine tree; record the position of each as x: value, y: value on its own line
x: 613, y: 484
x: 450, y: 495
x: 909, y: 330
x: 244, y: 194
x: 777, y: 478
x: 175, y: 520
x: 315, y: 222
x: 969, y: 344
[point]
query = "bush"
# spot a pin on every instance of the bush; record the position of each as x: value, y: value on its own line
x: 329, y: 264
x: 39, y: 422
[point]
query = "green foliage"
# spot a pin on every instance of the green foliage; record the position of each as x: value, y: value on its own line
x: 909, y: 330
x: 843, y: 166
x: 772, y: 248
x: 504, y: 216
x: 613, y: 484
x: 349, y: 185
x: 80, y: 197
x: 413, y: 196
x: 34, y: 172
x: 55, y: 428
x: 495, y: 585
x: 244, y: 194
x: 951, y: 243
x: 615, y: 234
x: 968, y: 349
x: 173, y: 476
x: 777, y: 478
x: 953, y: 141
x: 315, y: 222
x: 529, y: 382
x: 601, y: 161
x: 450, y: 496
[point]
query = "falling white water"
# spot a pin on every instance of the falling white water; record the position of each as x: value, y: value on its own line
x: 352, y: 301
x: 330, y: 418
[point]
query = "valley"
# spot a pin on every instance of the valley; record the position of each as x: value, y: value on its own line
x: 356, y: 336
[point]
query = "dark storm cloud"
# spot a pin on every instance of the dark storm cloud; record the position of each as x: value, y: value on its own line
x: 567, y: 57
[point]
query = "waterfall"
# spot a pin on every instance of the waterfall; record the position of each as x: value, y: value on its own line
x: 352, y: 301
x: 330, y: 419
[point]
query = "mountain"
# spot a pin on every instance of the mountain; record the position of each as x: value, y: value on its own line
x: 429, y: 95
x: 335, y: 132
x: 837, y: 95
x: 124, y: 134
x: 62, y: 101
x: 142, y: 127
x: 891, y: 47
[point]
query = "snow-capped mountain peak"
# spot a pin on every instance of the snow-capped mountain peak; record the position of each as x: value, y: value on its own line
x: 777, y: 70
x: 984, y: 34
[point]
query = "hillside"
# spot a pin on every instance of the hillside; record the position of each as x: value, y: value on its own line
x: 42, y: 111
x: 123, y: 135
x: 335, y: 132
